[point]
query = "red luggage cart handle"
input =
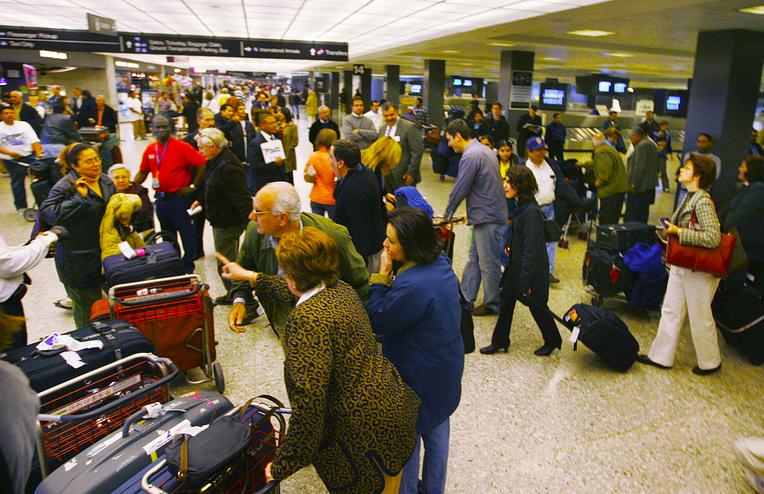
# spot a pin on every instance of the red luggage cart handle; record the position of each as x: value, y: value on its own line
x: 169, y: 377
x: 163, y: 297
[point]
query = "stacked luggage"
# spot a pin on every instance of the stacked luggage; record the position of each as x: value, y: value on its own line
x: 625, y: 258
x: 738, y: 309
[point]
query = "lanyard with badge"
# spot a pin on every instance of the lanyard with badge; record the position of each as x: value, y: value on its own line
x: 155, y: 179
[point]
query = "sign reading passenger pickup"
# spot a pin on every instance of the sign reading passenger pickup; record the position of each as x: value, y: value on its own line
x: 162, y: 44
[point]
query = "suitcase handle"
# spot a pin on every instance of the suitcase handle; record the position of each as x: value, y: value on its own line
x: 139, y: 415
x: 169, y: 297
x: 166, y: 380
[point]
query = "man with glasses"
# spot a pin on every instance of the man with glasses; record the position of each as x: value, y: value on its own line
x: 170, y: 163
x: 277, y: 211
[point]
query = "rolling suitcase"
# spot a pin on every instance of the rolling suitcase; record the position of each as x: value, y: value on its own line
x: 118, y: 462
x: 622, y: 236
x: 739, y: 314
x: 46, y: 369
x: 161, y: 261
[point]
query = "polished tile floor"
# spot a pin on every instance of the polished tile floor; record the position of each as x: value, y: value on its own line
x: 525, y: 424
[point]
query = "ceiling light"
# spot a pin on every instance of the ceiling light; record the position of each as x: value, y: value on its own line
x: 620, y: 55
x: 549, y: 59
x: 450, y: 51
x: 53, y: 54
x: 593, y: 33
x: 128, y: 65
x: 504, y: 45
x: 758, y: 10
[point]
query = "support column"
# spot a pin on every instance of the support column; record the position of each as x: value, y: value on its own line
x: 366, y: 87
x: 393, y: 81
x: 111, y: 82
x: 334, y: 91
x: 347, y: 92
x: 492, y: 91
x: 725, y: 86
x: 434, y: 84
x: 515, y: 79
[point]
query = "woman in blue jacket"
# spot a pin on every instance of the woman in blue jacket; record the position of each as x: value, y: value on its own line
x: 78, y: 202
x: 418, y: 316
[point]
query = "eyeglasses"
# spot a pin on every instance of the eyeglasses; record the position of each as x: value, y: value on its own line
x: 91, y: 161
x: 260, y: 213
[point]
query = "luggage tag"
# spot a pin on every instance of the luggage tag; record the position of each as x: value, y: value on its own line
x: 574, y: 337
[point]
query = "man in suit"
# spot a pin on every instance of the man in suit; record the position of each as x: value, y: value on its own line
x: 260, y: 172
x: 25, y: 113
x: 642, y: 169
x: 324, y: 121
x: 408, y: 136
x: 102, y: 115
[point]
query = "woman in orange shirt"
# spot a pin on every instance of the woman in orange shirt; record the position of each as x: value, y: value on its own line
x: 319, y: 172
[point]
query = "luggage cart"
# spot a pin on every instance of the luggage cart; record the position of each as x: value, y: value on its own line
x: 176, y: 314
x: 77, y: 413
x: 444, y: 230
x: 245, y: 473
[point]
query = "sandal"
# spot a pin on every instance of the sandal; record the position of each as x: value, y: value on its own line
x: 63, y: 303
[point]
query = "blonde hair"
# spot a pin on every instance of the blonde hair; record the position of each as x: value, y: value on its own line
x: 384, y: 153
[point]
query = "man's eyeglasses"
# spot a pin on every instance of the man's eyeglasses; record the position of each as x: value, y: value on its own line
x: 260, y: 213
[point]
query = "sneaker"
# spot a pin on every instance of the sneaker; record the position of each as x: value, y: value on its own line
x: 482, y: 310
x: 553, y: 278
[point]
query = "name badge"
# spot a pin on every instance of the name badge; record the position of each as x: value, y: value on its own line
x: 155, y: 183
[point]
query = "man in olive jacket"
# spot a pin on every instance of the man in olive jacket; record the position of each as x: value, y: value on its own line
x: 642, y: 169
x: 277, y: 212
x: 610, y: 176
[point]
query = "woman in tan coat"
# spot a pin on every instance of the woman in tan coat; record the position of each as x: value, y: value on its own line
x: 353, y: 417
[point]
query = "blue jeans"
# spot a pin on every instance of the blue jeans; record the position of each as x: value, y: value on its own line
x: 484, y: 264
x: 18, y: 175
x: 320, y: 209
x: 172, y: 212
x: 551, y: 247
x: 435, y: 462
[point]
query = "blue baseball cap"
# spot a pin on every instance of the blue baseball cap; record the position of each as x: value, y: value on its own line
x: 534, y: 144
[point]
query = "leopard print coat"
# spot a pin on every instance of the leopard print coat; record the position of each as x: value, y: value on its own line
x: 353, y: 416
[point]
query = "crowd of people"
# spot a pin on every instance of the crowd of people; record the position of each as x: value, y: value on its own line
x: 366, y: 262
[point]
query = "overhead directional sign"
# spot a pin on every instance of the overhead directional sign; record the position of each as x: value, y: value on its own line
x: 60, y: 40
x: 163, y: 44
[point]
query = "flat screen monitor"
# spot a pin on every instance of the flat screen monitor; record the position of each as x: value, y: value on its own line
x: 619, y: 87
x: 457, y: 82
x: 604, y: 86
x: 673, y: 103
x: 416, y: 89
x: 553, y: 96
x: 467, y: 82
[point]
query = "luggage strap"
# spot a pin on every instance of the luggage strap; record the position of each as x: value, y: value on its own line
x: 108, y: 334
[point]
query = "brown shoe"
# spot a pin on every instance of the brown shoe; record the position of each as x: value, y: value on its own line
x: 482, y: 310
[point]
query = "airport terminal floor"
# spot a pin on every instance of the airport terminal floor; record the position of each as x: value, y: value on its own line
x: 525, y: 424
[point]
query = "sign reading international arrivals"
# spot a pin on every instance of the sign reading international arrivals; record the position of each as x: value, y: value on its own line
x: 162, y: 44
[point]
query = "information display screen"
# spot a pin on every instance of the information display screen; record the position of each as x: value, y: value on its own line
x: 553, y: 96
x: 604, y: 86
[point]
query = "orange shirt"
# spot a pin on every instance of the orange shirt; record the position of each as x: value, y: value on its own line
x: 323, y: 190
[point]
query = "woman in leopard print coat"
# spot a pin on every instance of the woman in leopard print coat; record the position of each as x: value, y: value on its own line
x: 353, y: 417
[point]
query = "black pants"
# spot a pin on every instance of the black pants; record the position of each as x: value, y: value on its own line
x: 508, y: 299
x: 556, y: 150
x: 198, y: 221
x: 638, y: 206
x: 13, y: 307
x: 172, y: 212
x: 610, y: 209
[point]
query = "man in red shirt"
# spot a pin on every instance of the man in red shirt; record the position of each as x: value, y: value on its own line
x: 169, y: 161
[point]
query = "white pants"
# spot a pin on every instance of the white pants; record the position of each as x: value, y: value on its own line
x: 688, y: 293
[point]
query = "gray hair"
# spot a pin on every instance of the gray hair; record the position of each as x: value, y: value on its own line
x: 323, y: 107
x: 285, y: 199
x: 212, y: 137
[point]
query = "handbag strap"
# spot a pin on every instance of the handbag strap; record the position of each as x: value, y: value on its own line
x: 183, y: 470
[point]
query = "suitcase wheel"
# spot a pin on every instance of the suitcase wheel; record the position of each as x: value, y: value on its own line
x: 30, y: 214
x: 563, y: 243
x: 217, y: 374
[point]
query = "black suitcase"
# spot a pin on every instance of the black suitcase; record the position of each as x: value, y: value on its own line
x: 739, y: 314
x: 117, y: 463
x: 47, y: 369
x: 161, y: 261
x: 621, y: 237
x: 606, y: 271
x: 648, y: 290
x: 604, y: 333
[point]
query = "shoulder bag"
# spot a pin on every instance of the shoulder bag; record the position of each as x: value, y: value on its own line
x: 715, y: 261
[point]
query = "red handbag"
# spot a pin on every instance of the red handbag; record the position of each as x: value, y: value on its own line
x: 715, y: 261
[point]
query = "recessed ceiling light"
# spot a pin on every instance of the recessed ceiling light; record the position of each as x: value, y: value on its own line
x: 620, y: 55
x: 549, y: 59
x: 758, y: 10
x: 594, y: 33
x: 505, y: 45
x: 450, y: 51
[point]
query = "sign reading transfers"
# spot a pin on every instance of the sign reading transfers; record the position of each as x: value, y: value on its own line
x: 161, y: 44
